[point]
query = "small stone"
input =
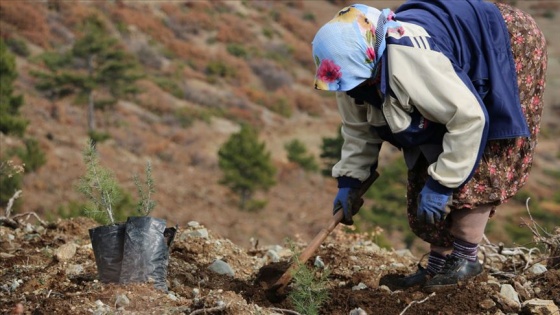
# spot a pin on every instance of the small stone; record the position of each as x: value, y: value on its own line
x: 65, y: 252
x: 202, y: 233
x: 357, y: 311
x: 273, y: 255
x: 487, y: 304
x: 540, y: 307
x: 397, y: 266
x: 121, y: 300
x: 537, y: 269
x: 506, y: 303
x: 221, y: 267
x: 360, y: 286
x: 6, y: 255
x: 73, y: 270
x: 319, y: 262
x: 193, y: 224
x: 172, y: 296
x: 509, y: 292
x: 404, y: 253
x: 384, y: 288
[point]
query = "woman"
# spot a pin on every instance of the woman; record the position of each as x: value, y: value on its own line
x: 458, y: 86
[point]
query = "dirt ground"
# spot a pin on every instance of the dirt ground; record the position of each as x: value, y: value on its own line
x: 37, y: 278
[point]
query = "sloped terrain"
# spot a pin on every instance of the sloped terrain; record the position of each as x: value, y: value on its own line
x: 176, y: 43
x: 40, y: 275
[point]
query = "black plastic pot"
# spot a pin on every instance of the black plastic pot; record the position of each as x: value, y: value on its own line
x: 145, y: 252
x: 107, y: 242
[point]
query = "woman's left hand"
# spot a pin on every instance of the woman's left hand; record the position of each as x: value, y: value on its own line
x: 433, y: 201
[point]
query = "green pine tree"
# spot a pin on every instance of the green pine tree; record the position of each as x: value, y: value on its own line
x: 10, y: 120
x: 96, y: 65
x: 297, y: 153
x: 330, y: 152
x: 11, y: 123
x: 246, y: 165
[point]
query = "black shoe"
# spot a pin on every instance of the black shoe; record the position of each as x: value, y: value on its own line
x: 401, y: 283
x: 455, y: 270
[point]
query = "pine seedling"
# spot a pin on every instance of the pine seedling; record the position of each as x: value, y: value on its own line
x: 309, y: 287
x: 99, y: 185
x: 145, y: 204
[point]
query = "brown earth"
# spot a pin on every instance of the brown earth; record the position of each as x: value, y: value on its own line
x: 184, y: 159
x: 33, y: 280
x: 186, y: 175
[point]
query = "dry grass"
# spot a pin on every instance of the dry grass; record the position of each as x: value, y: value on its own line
x: 153, y: 99
x: 26, y: 18
x: 301, y: 51
x: 302, y: 29
x: 310, y: 103
x: 185, y: 22
x: 234, y: 29
x: 73, y: 14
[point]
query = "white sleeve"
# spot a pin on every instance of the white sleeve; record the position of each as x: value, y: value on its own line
x: 427, y: 80
x: 361, y: 146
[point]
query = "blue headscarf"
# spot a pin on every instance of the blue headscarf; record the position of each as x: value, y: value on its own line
x: 348, y: 48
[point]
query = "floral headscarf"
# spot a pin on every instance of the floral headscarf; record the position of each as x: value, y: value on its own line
x: 348, y: 48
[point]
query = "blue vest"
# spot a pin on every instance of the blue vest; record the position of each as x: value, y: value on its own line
x: 474, y: 36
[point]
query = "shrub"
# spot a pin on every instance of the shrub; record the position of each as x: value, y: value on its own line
x: 297, y: 153
x: 220, y: 69
x: 18, y: 46
x: 268, y: 32
x: 32, y: 156
x: 187, y: 116
x: 169, y: 85
x: 308, y: 16
x: 237, y: 50
x: 233, y: 70
x: 98, y: 136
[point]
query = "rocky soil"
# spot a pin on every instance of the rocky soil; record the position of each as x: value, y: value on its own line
x: 51, y: 270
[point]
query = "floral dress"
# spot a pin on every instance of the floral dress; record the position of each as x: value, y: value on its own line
x: 506, y: 164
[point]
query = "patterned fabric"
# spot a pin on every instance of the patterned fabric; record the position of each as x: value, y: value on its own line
x: 505, y: 165
x: 340, y: 66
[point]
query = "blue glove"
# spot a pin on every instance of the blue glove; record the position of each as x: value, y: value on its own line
x: 433, y: 201
x: 348, y: 199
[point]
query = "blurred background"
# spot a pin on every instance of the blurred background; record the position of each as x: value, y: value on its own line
x: 218, y: 97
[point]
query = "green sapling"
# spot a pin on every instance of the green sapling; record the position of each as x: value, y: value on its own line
x: 99, y: 185
x: 145, y: 204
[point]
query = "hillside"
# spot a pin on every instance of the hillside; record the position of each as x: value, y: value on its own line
x: 186, y: 110
x: 52, y: 271
x: 208, y: 67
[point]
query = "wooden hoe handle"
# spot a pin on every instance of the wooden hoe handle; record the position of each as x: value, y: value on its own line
x: 281, y: 284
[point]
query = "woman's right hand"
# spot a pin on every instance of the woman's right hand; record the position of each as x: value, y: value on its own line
x: 349, y: 200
